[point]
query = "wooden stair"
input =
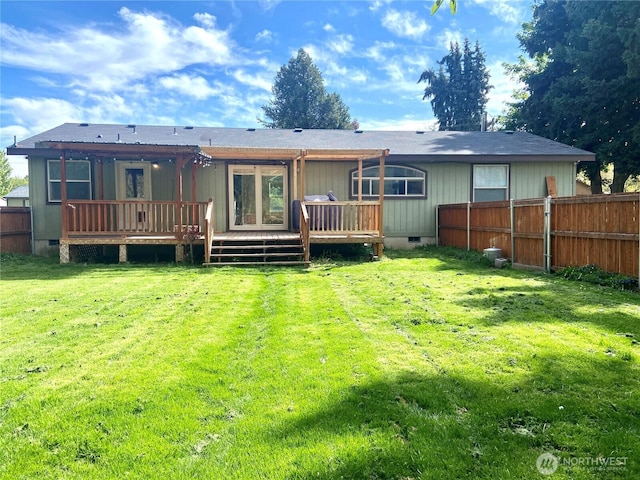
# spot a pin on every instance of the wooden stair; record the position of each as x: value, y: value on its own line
x: 256, y: 250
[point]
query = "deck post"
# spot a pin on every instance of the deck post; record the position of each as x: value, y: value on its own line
x: 194, y: 171
x: 122, y: 253
x: 360, y: 180
x: 180, y: 253
x: 303, y: 153
x: 179, y: 165
x: 381, y: 196
x: 294, y: 164
x: 63, y: 195
x: 64, y: 252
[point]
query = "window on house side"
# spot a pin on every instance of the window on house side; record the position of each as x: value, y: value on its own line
x: 78, y: 180
x: 399, y: 182
x: 490, y: 183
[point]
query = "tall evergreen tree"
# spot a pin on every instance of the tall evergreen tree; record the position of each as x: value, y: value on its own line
x: 582, y: 82
x: 301, y: 101
x: 458, y: 90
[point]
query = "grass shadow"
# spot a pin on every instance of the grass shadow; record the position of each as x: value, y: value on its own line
x: 452, y: 426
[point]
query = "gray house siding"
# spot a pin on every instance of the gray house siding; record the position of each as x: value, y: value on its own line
x: 446, y: 157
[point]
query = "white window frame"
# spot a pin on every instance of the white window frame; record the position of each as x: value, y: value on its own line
x: 367, y: 183
x: 496, y: 186
x: 51, y: 181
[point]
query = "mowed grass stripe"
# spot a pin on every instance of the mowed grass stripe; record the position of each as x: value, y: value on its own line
x: 419, y: 366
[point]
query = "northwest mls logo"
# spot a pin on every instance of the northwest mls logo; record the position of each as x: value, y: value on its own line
x: 547, y: 463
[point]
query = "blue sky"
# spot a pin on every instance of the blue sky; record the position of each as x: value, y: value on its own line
x: 213, y: 63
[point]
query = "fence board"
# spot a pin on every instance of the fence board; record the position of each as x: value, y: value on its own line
x: 15, y: 230
x: 599, y: 229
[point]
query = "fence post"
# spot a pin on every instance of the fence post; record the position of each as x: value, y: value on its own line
x: 546, y: 259
x: 468, y: 225
x: 513, y: 231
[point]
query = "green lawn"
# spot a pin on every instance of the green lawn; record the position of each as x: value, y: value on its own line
x: 421, y: 365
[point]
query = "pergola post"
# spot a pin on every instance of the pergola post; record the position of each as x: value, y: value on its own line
x: 303, y: 154
x: 179, y: 165
x: 63, y: 195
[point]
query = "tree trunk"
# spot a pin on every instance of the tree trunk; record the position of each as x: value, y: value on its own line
x: 596, y: 180
x: 619, y: 179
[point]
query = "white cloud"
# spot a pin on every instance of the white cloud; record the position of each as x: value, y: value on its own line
x: 329, y: 28
x: 405, y: 124
x: 341, y: 44
x: 509, y: 11
x: 205, y: 19
x: 265, y: 35
x: 378, y: 51
x: 189, y: 86
x: 108, y: 59
x: 378, y: 4
x: 405, y: 24
x: 447, y: 37
x: 255, y: 80
x: 502, y: 91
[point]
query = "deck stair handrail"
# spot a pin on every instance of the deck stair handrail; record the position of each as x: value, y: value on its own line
x: 304, y: 230
x: 133, y: 217
x: 208, y: 231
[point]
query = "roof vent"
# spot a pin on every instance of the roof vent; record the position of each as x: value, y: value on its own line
x: 131, y: 126
x: 419, y: 132
x: 175, y: 131
x: 83, y: 125
x: 189, y: 127
x: 251, y: 129
x: 99, y: 135
x: 297, y: 130
x: 358, y: 131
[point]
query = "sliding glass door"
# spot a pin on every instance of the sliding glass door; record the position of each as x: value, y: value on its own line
x: 257, y: 197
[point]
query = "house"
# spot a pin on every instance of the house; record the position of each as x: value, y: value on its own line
x: 18, y: 197
x: 582, y: 188
x: 121, y: 185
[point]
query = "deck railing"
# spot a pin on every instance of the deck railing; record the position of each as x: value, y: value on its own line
x: 208, y: 231
x: 130, y: 217
x: 344, y: 218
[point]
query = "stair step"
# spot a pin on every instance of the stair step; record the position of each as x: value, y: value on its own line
x: 284, y: 262
x: 257, y: 255
x: 253, y: 247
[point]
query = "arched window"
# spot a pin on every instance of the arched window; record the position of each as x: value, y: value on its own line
x: 402, y: 182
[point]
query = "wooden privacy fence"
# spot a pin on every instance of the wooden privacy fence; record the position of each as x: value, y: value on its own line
x: 551, y: 233
x: 15, y: 229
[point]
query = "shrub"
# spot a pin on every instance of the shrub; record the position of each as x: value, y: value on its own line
x: 594, y: 274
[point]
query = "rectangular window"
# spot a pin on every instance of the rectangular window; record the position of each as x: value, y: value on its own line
x: 78, y: 180
x: 490, y: 183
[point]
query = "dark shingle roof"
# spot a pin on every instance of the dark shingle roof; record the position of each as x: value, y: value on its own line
x: 401, y: 143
